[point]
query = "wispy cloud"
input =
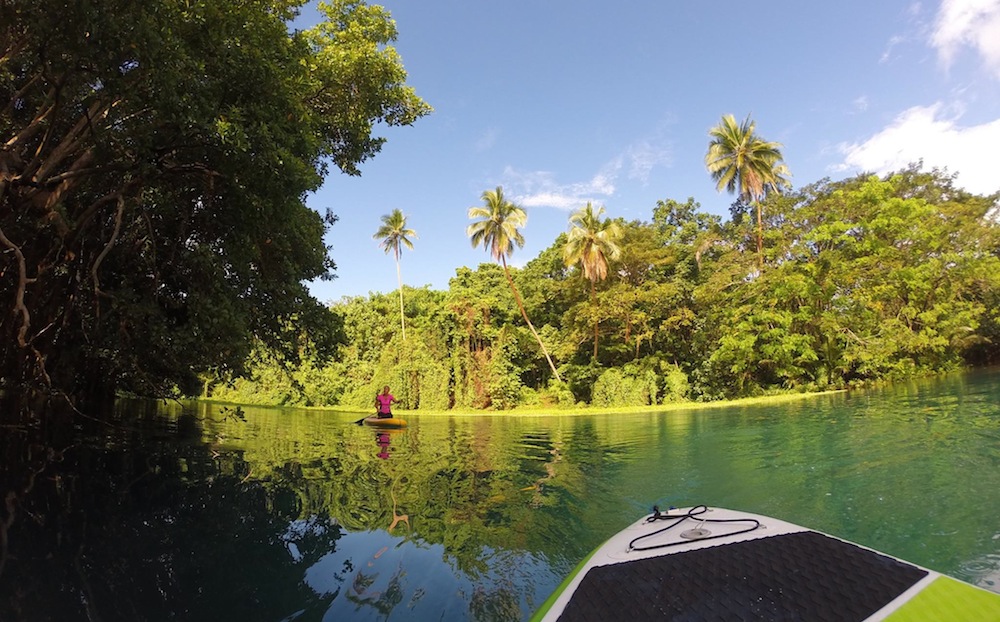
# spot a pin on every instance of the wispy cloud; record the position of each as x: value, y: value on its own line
x: 861, y: 103
x: 890, y: 46
x: 643, y: 156
x: 487, y: 140
x: 932, y: 134
x: 968, y: 23
x: 544, y: 189
x: 541, y: 189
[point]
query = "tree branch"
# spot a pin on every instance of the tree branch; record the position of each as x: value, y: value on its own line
x: 71, y: 141
x: 88, y: 214
x: 26, y: 134
x: 104, y: 253
x: 22, y: 284
x: 21, y: 91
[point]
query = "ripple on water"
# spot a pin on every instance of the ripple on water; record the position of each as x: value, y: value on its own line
x: 983, y: 571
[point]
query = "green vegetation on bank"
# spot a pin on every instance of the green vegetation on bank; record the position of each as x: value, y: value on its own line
x: 156, y: 160
x: 155, y: 241
x: 568, y: 410
x: 862, y: 280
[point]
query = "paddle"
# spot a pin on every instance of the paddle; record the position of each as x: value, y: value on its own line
x: 362, y: 420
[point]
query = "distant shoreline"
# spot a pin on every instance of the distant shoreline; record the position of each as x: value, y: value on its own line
x: 556, y: 411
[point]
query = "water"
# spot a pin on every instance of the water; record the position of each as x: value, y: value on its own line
x: 198, y: 513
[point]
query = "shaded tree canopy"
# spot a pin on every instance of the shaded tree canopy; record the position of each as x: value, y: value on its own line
x: 156, y: 159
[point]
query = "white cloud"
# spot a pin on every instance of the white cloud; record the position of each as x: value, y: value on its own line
x: 603, y: 182
x: 887, y: 54
x: 488, y: 139
x: 927, y: 133
x: 643, y: 156
x: 557, y: 200
x: 540, y: 188
x: 861, y: 103
x: 968, y: 23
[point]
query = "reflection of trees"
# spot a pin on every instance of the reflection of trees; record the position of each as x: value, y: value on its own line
x: 131, y: 524
x: 499, y: 604
x: 384, y: 601
x: 206, y: 517
x: 397, y: 518
x: 459, y: 485
x: 209, y: 515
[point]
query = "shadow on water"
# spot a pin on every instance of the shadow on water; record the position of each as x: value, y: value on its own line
x: 136, y: 518
x: 193, y: 512
x: 204, y: 512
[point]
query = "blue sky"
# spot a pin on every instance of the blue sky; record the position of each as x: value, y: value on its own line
x: 567, y: 101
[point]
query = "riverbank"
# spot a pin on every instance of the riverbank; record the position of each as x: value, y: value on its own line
x: 539, y: 411
x: 548, y: 411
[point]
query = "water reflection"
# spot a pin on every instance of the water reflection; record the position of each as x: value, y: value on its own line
x: 199, y: 512
x: 382, y: 440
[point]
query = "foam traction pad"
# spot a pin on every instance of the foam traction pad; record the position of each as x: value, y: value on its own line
x: 796, y: 576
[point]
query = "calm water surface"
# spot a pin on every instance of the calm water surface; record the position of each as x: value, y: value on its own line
x: 195, y: 512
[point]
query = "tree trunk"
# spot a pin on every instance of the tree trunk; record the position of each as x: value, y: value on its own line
x: 597, y: 322
x: 399, y: 277
x: 524, y: 314
x: 760, y: 235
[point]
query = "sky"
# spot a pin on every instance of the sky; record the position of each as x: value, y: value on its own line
x: 562, y: 102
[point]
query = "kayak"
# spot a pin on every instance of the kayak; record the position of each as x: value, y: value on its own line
x: 390, y: 422
x: 699, y: 563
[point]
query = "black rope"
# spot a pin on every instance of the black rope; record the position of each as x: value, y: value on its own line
x: 693, y: 513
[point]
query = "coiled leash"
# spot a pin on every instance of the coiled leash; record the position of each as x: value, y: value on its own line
x: 691, y: 534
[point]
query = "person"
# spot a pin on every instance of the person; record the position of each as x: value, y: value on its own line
x: 383, y: 402
x: 382, y: 438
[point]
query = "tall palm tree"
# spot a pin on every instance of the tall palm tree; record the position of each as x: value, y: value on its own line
x: 394, y: 234
x: 498, y: 230
x: 742, y: 162
x: 591, y: 243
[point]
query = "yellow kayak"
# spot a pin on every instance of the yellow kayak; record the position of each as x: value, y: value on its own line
x: 390, y: 422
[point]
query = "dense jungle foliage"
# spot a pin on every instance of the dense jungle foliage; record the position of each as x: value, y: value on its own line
x: 862, y: 279
x: 154, y: 238
x: 155, y: 162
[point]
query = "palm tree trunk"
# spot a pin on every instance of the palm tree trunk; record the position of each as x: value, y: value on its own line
x: 402, y: 320
x: 760, y: 235
x: 524, y: 314
x: 597, y: 322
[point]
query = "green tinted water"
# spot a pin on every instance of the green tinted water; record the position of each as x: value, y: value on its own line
x: 300, y: 515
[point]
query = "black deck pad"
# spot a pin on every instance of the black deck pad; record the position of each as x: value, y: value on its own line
x: 797, y: 576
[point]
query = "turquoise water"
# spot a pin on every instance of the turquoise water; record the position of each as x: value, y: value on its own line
x: 271, y: 514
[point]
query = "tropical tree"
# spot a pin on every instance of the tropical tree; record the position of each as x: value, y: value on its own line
x: 591, y: 242
x: 742, y: 162
x: 498, y: 230
x: 156, y: 160
x: 392, y: 234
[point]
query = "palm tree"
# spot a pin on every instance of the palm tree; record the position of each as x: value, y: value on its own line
x: 392, y: 234
x: 498, y: 230
x: 742, y: 162
x: 591, y: 242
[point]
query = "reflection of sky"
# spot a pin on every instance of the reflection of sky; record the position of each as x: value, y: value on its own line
x: 420, y: 579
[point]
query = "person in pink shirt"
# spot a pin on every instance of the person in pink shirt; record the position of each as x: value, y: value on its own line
x: 383, y: 402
